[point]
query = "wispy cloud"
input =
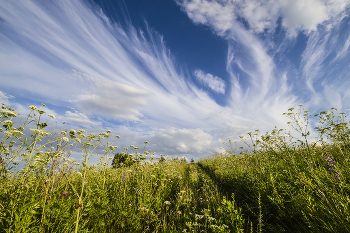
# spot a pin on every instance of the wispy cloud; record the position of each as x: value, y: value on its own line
x: 213, y: 82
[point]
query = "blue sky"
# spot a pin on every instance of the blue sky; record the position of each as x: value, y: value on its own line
x: 183, y: 75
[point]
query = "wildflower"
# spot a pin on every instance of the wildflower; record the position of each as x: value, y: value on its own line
x: 80, y: 205
x: 53, y: 116
x: 65, y: 139
x: 117, y: 136
x: 32, y: 107
x: 167, y: 203
x: 136, y: 191
x: 64, y: 194
x: 80, y: 131
x: 331, y: 168
x: 123, y: 178
x: 66, y: 229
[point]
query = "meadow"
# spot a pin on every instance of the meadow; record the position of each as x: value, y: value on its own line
x: 282, y: 184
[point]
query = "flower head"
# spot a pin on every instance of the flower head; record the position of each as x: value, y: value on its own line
x: 331, y: 167
x: 167, y: 203
x: 64, y: 194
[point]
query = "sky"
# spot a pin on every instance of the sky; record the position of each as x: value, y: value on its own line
x: 184, y: 75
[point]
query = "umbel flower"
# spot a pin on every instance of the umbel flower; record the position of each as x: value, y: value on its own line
x: 330, y: 166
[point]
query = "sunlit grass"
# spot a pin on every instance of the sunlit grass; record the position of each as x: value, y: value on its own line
x: 283, y: 185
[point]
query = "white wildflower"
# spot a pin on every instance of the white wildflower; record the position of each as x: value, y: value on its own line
x: 65, y: 139
x: 80, y: 131
x: 32, y: 107
x: 167, y: 203
x: 52, y: 116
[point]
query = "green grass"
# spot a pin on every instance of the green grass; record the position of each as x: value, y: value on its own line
x: 279, y: 187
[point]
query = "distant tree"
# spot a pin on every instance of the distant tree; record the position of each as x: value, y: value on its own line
x: 122, y: 159
x: 192, y: 160
x: 162, y: 159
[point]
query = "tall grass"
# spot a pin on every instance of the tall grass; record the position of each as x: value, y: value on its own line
x: 280, y: 187
x: 284, y: 187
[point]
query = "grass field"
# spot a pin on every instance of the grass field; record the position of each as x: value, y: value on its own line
x: 280, y: 186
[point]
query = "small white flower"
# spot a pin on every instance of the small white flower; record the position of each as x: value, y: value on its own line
x: 63, y: 133
x: 167, y: 203
x: 65, y: 139
x: 80, y: 131
x: 32, y: 107
x: 52, y: 116
x: 72, y: 131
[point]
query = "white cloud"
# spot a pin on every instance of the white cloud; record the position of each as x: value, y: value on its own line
x: 215, y: 83
x: 183, y: 141
x: 296, y: 15
x: 111, y: 99
x: 300, y: 14
x: 218, y: 14
x: 78, y: 118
